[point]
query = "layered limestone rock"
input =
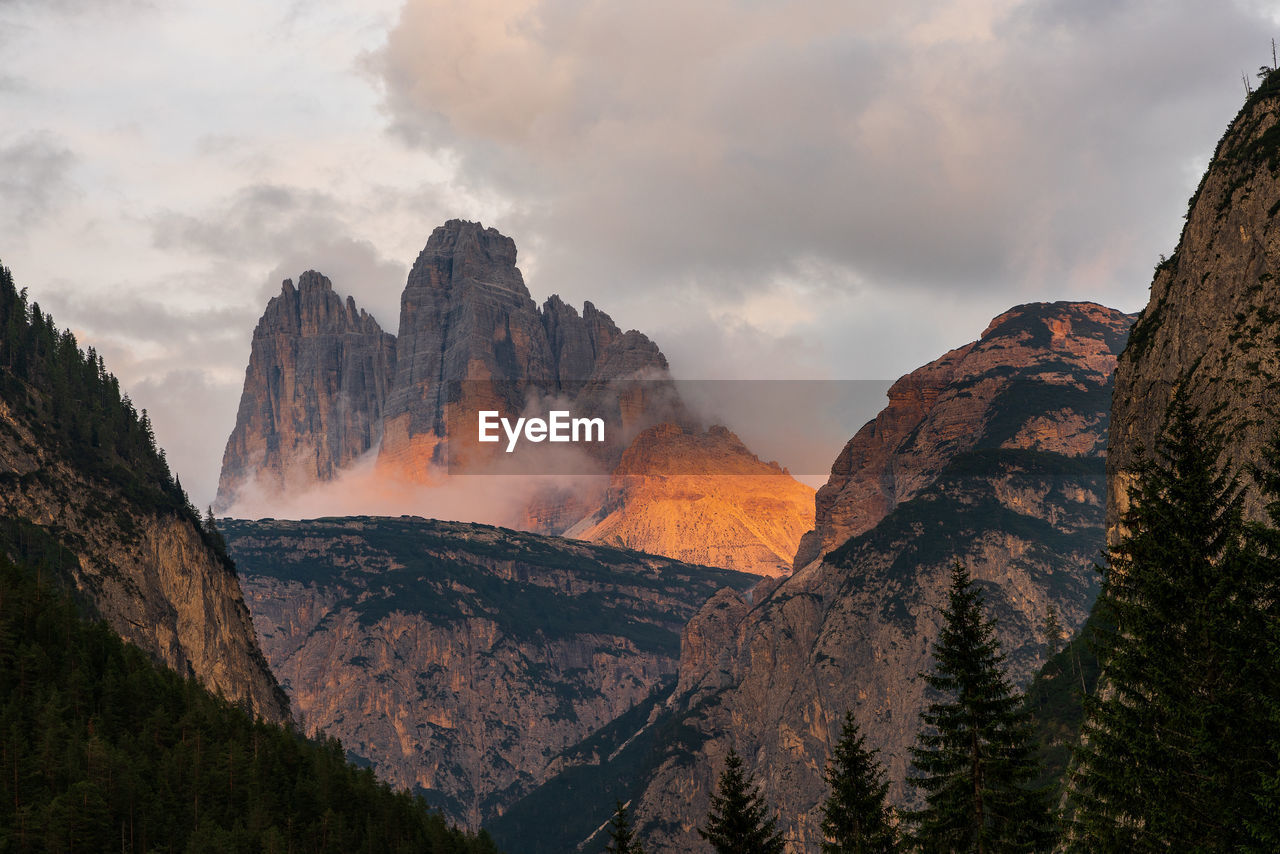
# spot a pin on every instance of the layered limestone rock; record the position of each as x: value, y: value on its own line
x: 941, y: 410
x: 1211, y: 325
x: 148, y: 573
x: 318, y: 376
x: 471, y: 338
x: 325, y: 384
x: 462, y: 659
x: 702, y: 497
x: 985, y: 477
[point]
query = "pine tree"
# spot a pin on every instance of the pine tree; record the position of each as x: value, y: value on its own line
x: 1052, y: 633
x: 856, y: 818
x: 1173, y: 751
x: 739, y: 821
x: 621, y: 835
x: 975, y: 758
x: 1264, y: 825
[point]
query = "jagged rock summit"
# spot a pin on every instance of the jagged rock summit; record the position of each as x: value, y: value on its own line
x: 318, y: 375
x: 472, y: 338
x: 957, y: 401
x: 325, y: 386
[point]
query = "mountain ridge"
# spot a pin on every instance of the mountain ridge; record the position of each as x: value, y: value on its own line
x: 461, y: 659
x: 88, y: 478
x: 773, y: 677
x: 323, y: 400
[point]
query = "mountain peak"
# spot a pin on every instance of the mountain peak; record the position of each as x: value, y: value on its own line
x: 316, y: 359
x: 461, y: 252
x: 968, y: 399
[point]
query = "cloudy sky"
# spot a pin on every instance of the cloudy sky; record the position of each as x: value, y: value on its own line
x: 818, y: 189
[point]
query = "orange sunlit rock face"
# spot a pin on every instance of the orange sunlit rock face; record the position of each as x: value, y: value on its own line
x: 406, y: 457
x: 702, y: 498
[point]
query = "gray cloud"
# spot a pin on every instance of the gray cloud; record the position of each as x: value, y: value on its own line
x: 35, y: 177
x: 292, y: 230
x: 783, y: 189
x: 192, y: 413
x: 1004, y: 152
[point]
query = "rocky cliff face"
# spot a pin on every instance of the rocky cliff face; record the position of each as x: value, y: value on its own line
x: 941, y: 410
x: 471, y: 338
x: 465, y: 316
x: 702, y: 497
x: 462, y: 659
x: 325, y: 384
x: 318, y: 377
x: 149, y: 573
x: 1212, y: 325
x: 1002, y: 468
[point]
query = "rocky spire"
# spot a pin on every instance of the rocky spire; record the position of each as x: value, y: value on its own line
x: 318, y: 374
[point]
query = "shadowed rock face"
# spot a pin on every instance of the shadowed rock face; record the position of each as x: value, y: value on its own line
x: 318, y: 376
x: 1212, y: 324
x: 325, y: 384
x: 994, y: 456
x: 462, y: 659
x: 465, y: 315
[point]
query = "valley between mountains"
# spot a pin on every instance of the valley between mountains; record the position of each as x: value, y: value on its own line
x: 995, y: 454
x: 474, y: 663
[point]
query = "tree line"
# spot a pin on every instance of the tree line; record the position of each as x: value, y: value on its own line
x: 1180, y: 746
x: 77, y: 408
x: 103, y: 750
